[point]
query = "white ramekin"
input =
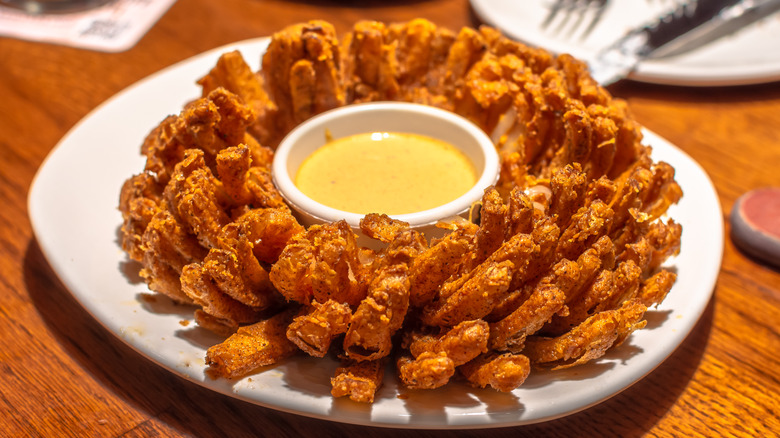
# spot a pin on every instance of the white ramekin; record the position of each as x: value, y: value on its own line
x: 384, y: 117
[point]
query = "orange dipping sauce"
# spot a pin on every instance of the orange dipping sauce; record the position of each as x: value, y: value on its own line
x: 385, y: 172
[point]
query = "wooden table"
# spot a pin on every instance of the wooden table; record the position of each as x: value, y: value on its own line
x: 64, y: 375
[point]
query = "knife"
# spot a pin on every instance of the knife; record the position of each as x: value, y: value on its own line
x: 690, y: 25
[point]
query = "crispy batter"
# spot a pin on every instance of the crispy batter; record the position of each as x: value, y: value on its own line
x: 382, y: 312
x: 230, y: 282
x: 469, y: 46
x: 655, y: 288
x: 567, y: 187
x: 233, y: 74
x: 562, y: 259
x: 520, y: 213
x: 237, y: 273
x: 221, y: 327
x: 269, y: 230
x: 492, y: 226
x: 198, y: 286
x: 139, y: 202
x: 260, y: 344
x: 302, y: 72
x: 545, y: 236
x: 370, y: 64
x: 429, y: 370
x: 461, y: 343
x: 196, y: 198
x: 210, y: 124
x: 503, y: 372
x: 510, y: 332
x: 586, y: 226
x: 517, y: 251
x: 438, y: 263
x: 320, y: 264
x: 379, y: 315
x: 358, y: 380
x: 589, y: 340
x: 474, y: 299
x: 246, y: 177
x: 607, y: 291
x: 168, y: 248
x: 314, y: 330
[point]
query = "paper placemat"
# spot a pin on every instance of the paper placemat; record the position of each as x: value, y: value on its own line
x: 114, y: 27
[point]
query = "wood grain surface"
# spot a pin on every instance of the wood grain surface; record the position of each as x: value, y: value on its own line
x: 62, y: 374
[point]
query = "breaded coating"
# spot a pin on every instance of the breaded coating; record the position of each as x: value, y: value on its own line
x: 268, y: 230
x: 168, y: 248
x: 625, y: 287
x: 520, y: 213
x: 320, y: 264
x: 196, y: 198
x: 608, y: 290
x: 438, y: 263
x: 379, y: 315
x: 429, y: 370
x: 557, y: 263
x: 197, y: 284
x: 382, y: 312
x: 487, y: 90
x: 237, y: 273
x: 600, y: 256
x: 251, y: 347
x: 221, y: 327
x: 545, y: 235
x: 415, y: 49
x: 434, y: 358
x: 231, y: 282
x: 246, y: 177
x: 139, y: 202
x: 461, y: 343
x: 359, y: 380
x: 301, y: 69
x: 510, y: 332
x: 382, y: 227
x: 502, y: 372
x: 663, y: 192
x: 315, y: 329
x: 655, y: 288
x: 589, y: 340
x: 517, y: 250
x: 567, y: 187
x: 492, y: 225
x: 467, y: 49
x: 233, y: 74
x: 210, y: 124
x: 586, y: 226
x: 474, y: 299
x: 370, y: 64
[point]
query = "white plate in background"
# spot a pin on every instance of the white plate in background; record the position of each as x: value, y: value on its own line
x: 748, y: 56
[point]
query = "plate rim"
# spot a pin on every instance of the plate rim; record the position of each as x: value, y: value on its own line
x: 651, y: 71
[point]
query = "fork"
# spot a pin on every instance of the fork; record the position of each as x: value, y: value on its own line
x: 585, y: 14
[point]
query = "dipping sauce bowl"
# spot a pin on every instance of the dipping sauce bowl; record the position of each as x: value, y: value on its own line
x: 399, y: 117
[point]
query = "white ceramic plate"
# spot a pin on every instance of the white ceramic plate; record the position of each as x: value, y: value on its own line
x: 745, y: 57
x: 73, y: 209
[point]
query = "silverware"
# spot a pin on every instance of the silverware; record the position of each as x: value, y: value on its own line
x: 690, y: 25
x: 572, y: 15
